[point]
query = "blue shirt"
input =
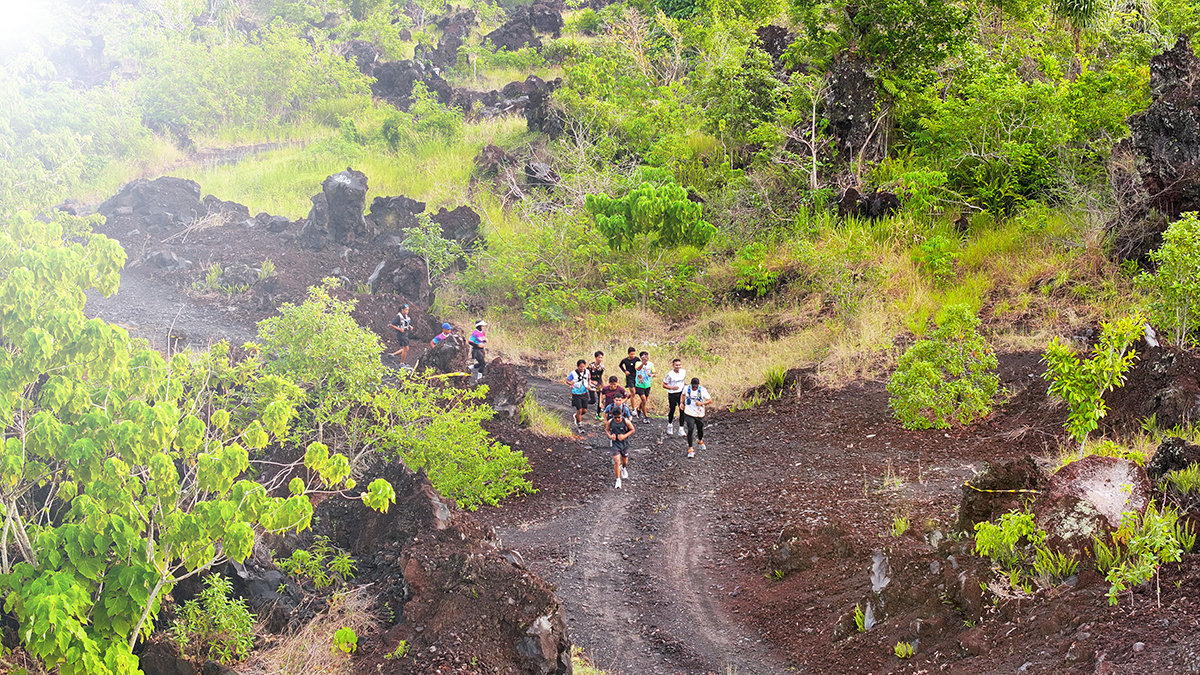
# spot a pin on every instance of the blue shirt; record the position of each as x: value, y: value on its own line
x: 578, y: 382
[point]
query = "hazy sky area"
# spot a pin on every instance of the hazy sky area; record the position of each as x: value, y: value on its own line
x: 19, y: 19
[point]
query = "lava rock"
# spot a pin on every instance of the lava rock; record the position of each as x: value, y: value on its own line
x: 492, y: 159
x: 507, y: 388
x: 1164, y: 147
x: 364, y: 54
x: 1086, y: 499
x: 392, y: 214
x: 540, y: 115
x: 165, y: 203
x: 975, y: 641
x: 461, y: 225
x: 774, y: 40
x: 851, y: 102
x: 260, y: 582
x: 447, y: 356
x: 162, y: 658
x: 337, y: 211
x: 990, y: 495
x: 1173, y: 454
x: 872, y: 206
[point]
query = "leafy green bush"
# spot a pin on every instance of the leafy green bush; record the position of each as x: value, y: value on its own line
x: 1139, y: 548
x: 936, y: 257
x: 322, y: 563
x: 214, y: 626
x: 946, y: 378
x: 144, y: 458
x: 999, y: 541
x: 1082, y: 383
x: 426, y: 240
x: 753, y: 273
x: 426, y: 121
x: 1175, y: 284
x: 663, y: 215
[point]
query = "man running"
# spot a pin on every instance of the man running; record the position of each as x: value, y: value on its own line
x: 445, y: 334
x: 478, y: 339
x: 628, y: 365
x: 610, y: 392
x: 695, y: 398
x: 596, y: 375
x: 578, y: 379
x: 643, y: 380
x: 619, y: 428
x: 403, y: 326
x: 674, y: 382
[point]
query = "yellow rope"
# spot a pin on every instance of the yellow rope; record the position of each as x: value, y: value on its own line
x: 968, y: 484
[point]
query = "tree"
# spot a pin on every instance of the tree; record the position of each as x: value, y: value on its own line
x: 1082, y: 383
x: 1175, y: 283
x: 664, y: 214
x: 426, y: 240
x: 946, y: 378
x: 121, y: 473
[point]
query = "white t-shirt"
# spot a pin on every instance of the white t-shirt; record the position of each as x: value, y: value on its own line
x: 675, y: 381
x: 692, y: 399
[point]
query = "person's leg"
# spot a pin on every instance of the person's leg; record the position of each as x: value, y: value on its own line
x: 672, y: 404
x: 625, y: 466
x: 480, y: 360
x: 691, y: 428
x: 700, y: 432
x: 404, y: 354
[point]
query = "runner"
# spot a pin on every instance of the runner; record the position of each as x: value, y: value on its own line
x: 628, y: 365
x: 695, y: 398
x: 619, y: 428
x: 643, y: 379
x: 403, y: 325
x: 674, y: 382
x: 478, y: 339
x: 446, y: 332
x: 578, y: 379
x: 596, y: 375
x: 611, y: 391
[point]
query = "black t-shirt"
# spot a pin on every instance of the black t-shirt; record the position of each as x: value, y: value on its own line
x: 628, y: 365
x: 596, y: 372
x: 402, y: 322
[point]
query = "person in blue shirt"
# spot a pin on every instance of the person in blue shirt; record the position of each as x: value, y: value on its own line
x: 580, y: 384
x: 446, y: 332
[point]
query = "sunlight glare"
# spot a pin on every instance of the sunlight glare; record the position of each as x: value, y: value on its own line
x: 22, y: 19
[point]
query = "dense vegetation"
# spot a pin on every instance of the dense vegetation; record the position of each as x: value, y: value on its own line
x: 696, y: 208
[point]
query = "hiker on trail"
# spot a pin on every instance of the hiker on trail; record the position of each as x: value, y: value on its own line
x: 580, y: 385
x: 643, y: 379
x: 478, y: 339
x: 619, y: 427
x: 446, y: 333
x: 674, y: 382
x: 596, y: 375
x: 628, y: 365
x: 695, y: 398
x: 610, y: 392
x: 403, y: 326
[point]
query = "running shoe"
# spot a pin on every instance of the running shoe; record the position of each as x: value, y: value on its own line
x: 682, y: 432
x: 701, y: 445
x: 691, y: 453
x: 618, y: 485
x: 670, y: 429
x: 624, y: 472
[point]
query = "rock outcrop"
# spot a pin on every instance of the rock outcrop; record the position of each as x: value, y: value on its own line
x: 1086, y: 499
x: 337, y: 211
x: 1155, y: 173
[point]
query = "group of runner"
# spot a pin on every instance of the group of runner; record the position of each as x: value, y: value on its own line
x: 403, y: 326
x: 613, y: 402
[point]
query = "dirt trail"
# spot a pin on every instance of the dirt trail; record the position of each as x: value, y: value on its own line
x: 635, y: 567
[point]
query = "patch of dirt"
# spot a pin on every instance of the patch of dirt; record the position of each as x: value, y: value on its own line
x: 682, y: 571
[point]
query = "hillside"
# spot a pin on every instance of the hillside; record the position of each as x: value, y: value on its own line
x: 885, y: 234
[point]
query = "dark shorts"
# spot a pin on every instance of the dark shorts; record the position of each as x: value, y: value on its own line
x: 620, y: 448
x: 630, y: 380
x: 402, y: 338
x: 579, y: 401
x: 642, y: 391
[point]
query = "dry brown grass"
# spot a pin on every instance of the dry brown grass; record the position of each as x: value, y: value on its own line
x: 311, y: 651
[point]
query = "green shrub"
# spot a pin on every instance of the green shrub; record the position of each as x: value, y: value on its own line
x: 1175, y: 284
x: 946, y: 378
x: 1082, y: 383
x: 213, y: 626
x: 936, y: 257
x: 751, y: 267
x: 322, y: 564
x: 999, y: 541
x: 663, y: 216
x: 1139, y: 548
x: 775, y: 381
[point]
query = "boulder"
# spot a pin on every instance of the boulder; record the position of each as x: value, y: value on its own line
x: 392, y: 214
x: 1156, y: 172
x: 456, y: 28
x: 516, y: 33
x: 872, y: 205
x: 540, y: 115
x: 394, y: 82
x: 166, y: 260
x: 492, y: 159
x: 1164, y: 383
x: 1173, y: 454
x: 774, y: 40
x: 274, y: 597
x: 1086, y: 499
x: 851, y: 102
x: 163, y: 658
x: 993, y: 492
x: 545, y: 19
x: 507, y: 388
x: 158, y: 205
x: 461, y: 225
x: 337, y: 211
x: 364, y: 55
x: 232, y: 211
x: 448, y: 356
